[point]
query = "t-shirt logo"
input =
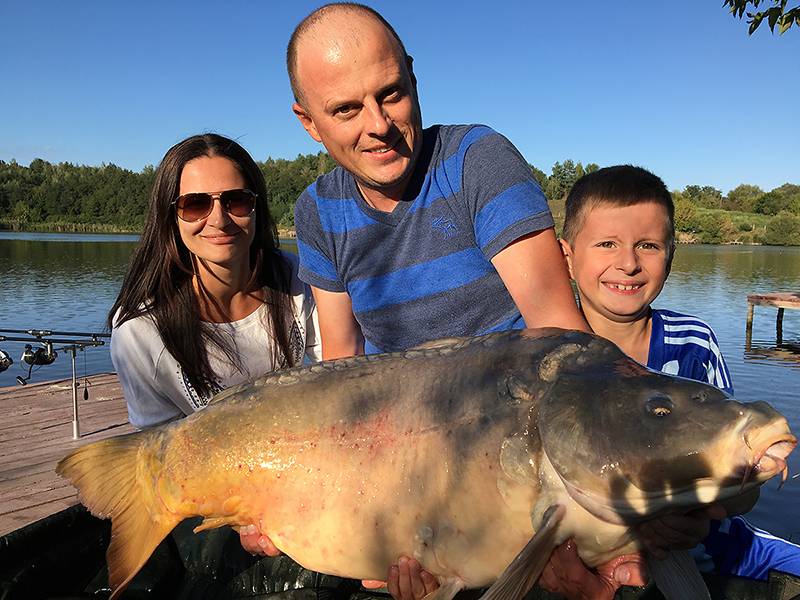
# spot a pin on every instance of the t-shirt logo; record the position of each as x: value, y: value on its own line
x: 445, y: 226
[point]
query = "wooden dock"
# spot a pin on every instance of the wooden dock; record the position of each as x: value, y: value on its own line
x: 36, y: 432
x: 779, y: 300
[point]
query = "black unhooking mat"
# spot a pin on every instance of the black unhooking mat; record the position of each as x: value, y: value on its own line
x: 63, y: 557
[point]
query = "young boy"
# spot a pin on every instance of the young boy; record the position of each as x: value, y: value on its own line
x: 619, y: 242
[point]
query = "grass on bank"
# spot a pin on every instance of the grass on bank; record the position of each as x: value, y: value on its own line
x: 696, y: 226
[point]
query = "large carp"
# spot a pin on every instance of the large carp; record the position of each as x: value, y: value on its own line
x: 452, y: 453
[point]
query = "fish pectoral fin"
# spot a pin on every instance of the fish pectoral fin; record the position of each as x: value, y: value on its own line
x: 677, y: 577
x: 519, y: 577
x: 447, y: 591
x: 214, y: 522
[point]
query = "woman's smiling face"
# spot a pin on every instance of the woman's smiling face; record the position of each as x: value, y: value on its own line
x: 220, y: 238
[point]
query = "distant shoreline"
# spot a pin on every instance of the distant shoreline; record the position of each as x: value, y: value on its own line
x: 283, y: 233
x: 64, y: 227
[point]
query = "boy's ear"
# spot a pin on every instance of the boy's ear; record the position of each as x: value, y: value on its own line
x: 669, y: 260
x: 566, y: 250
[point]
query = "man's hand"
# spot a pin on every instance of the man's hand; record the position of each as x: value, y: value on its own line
x: 407, y: 580
x: 256, y: 543
x: 678, y: 532
x: 566, y: 574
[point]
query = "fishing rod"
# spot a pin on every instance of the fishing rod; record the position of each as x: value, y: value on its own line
x: 46, y: 353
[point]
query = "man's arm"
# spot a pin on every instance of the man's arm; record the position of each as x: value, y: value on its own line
x: 339, y: 330
x: 535, y: 274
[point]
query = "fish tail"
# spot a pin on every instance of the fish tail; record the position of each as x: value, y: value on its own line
x: 111, y: 479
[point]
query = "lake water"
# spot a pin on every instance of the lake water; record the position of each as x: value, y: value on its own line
x: 66, y: 282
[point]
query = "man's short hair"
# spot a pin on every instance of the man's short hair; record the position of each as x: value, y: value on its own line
x: 318, y: 16
x: 621, y: 185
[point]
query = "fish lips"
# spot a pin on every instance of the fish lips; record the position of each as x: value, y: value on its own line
x: 771, y: 460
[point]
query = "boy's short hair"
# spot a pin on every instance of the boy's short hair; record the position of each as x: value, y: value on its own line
x: 620, y: 185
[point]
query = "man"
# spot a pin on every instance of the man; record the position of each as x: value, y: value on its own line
x: 418, y: 234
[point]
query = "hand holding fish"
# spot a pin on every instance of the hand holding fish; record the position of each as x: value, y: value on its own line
x: 407, y: 580
x: 678, y: 532
x: 683, y: 532
x: 566, y: 574
x: 254, y: 542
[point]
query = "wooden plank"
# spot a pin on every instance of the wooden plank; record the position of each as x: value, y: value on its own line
x: 789, y: 300
x: 36, y: 432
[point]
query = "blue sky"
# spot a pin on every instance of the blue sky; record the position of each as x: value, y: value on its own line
x: 678, y: 87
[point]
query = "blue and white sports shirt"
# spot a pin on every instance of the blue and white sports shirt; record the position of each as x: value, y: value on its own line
x: 686, y: 346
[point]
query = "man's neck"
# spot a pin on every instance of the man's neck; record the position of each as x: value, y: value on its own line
x: 382, y: 201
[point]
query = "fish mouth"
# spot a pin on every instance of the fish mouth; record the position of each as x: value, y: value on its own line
x: 770, y: 460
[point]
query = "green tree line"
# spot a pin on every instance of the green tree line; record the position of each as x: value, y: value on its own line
x: 703, y: 214
x: 67, y: 197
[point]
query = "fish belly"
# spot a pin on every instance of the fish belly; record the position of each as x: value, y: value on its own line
x: 349, y: 495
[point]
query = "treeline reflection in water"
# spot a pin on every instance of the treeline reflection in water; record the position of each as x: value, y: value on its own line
x: 68, y: 282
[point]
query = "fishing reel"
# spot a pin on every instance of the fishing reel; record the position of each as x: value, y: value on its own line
x: 44, y: 355
x: 5, y: 361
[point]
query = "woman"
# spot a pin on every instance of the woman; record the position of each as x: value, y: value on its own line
x: 208, y: 300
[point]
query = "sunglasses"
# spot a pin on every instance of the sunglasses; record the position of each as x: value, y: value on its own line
x: 198, y: 205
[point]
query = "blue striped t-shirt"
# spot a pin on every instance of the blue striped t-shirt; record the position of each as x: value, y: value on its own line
x: 423, y: 271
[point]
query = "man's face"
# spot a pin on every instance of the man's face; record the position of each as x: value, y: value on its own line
x: 360, y: 101
x: 620, y: 259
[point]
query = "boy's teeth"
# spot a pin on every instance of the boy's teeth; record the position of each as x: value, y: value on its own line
x: 626, y: 288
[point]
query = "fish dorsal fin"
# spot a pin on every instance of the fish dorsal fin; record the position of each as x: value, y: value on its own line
x: 677, y: 577
x: 524, y: 570
x: 442, y: 343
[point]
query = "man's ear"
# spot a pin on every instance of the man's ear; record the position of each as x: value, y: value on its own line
x: 306, y: 121
x: 566, y: 250
x: 410, y: 67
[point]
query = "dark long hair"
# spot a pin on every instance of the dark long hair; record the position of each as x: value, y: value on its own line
x: 159, y: 278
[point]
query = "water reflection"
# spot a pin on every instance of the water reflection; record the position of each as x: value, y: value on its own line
x: 785, y: 354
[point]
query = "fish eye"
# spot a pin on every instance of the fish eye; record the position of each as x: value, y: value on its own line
x: 659, y: 406
x: 700, y: 397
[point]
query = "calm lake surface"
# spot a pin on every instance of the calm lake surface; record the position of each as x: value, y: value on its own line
x: 68, y: 282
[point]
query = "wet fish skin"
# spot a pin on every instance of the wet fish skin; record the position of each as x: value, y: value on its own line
x: 448, y: 452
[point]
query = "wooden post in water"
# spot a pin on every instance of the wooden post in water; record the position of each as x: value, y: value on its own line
x: 779, y: 300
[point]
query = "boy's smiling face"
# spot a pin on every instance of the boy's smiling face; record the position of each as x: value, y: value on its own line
x: 620, y: 259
